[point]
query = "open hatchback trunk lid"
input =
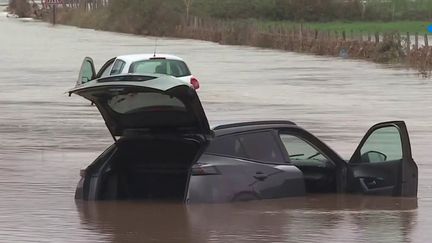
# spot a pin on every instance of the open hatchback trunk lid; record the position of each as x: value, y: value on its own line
x: 141, y: 104
x: 162, y: 131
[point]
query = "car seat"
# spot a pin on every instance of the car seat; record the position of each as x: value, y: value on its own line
x: 161, y: 68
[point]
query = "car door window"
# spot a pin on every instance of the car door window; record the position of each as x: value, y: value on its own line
x: 227, y: 145
x: 384, y: 144
x: 106, y: 71
x: 87, y: 71
x: 117, y: 67
x: 261, y: 146
x: 301, y: 152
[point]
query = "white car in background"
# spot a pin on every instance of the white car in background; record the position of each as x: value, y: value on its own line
x: 142, y: 64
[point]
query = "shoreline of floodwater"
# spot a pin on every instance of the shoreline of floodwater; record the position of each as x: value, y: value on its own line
x: 386, y: 48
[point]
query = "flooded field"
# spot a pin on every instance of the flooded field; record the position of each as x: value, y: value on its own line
x: 46, y: 137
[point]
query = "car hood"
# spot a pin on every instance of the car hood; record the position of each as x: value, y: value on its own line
x: 133, y: 104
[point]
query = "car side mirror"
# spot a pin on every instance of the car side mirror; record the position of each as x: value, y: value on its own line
x: 373, y: 157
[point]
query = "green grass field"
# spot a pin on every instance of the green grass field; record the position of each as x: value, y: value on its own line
x: 359, y: 27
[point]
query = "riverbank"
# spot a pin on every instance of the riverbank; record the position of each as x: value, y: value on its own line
x: 330, y: 39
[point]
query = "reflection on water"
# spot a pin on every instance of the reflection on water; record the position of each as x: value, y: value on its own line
x: 329, y: 217
x: 46, y: 137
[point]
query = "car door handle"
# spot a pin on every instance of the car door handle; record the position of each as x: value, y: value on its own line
x: 260, y: 176
x: 368, y: 182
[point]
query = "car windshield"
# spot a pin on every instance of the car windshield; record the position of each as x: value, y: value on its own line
x: 174, y: 68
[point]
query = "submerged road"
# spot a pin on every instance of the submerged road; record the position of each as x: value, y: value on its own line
x: 46, y: 137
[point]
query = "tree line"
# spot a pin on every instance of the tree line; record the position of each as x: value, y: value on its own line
x: 275, y: 10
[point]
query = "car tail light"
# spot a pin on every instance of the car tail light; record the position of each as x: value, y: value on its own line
x: 204, y: 169
x: 195, y: 83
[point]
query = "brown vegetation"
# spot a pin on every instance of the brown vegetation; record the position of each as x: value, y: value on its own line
x: 390, y: 49
x: 422, y: 60
x: 168, y: 18
x: 22, y: 8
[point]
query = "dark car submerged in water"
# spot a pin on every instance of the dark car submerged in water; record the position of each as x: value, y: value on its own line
x: 164, y: 149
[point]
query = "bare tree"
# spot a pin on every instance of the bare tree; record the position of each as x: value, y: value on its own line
x: 188, y: 4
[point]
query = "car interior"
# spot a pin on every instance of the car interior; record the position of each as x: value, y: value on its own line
x: 320, y: 177
x: 161, y: 68
x: 319, y: 172
x: 174, y: 68
x: 141, y: 170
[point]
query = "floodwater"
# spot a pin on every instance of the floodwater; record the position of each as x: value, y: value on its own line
x: 47, y: 137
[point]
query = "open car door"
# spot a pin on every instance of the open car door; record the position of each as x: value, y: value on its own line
x: 382, y: 164
x: 146, y: 104
x: 87, y: 71
x: 160, y: 130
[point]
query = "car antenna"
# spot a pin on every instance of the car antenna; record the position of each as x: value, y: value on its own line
x: 155, y: 47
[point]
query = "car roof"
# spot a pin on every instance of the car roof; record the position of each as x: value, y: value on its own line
x: 255, y: 125
x: 139, y: 57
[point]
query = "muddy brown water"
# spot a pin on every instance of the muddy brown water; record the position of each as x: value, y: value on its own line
x: 46, y: 137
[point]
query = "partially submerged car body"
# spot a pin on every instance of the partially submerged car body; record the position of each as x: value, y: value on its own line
x: 273, y: 159
x: 162, y: 130
x: 140, y: 64
x: 165, y: 150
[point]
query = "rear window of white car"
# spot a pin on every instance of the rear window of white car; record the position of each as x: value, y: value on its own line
x: 174, y: 68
